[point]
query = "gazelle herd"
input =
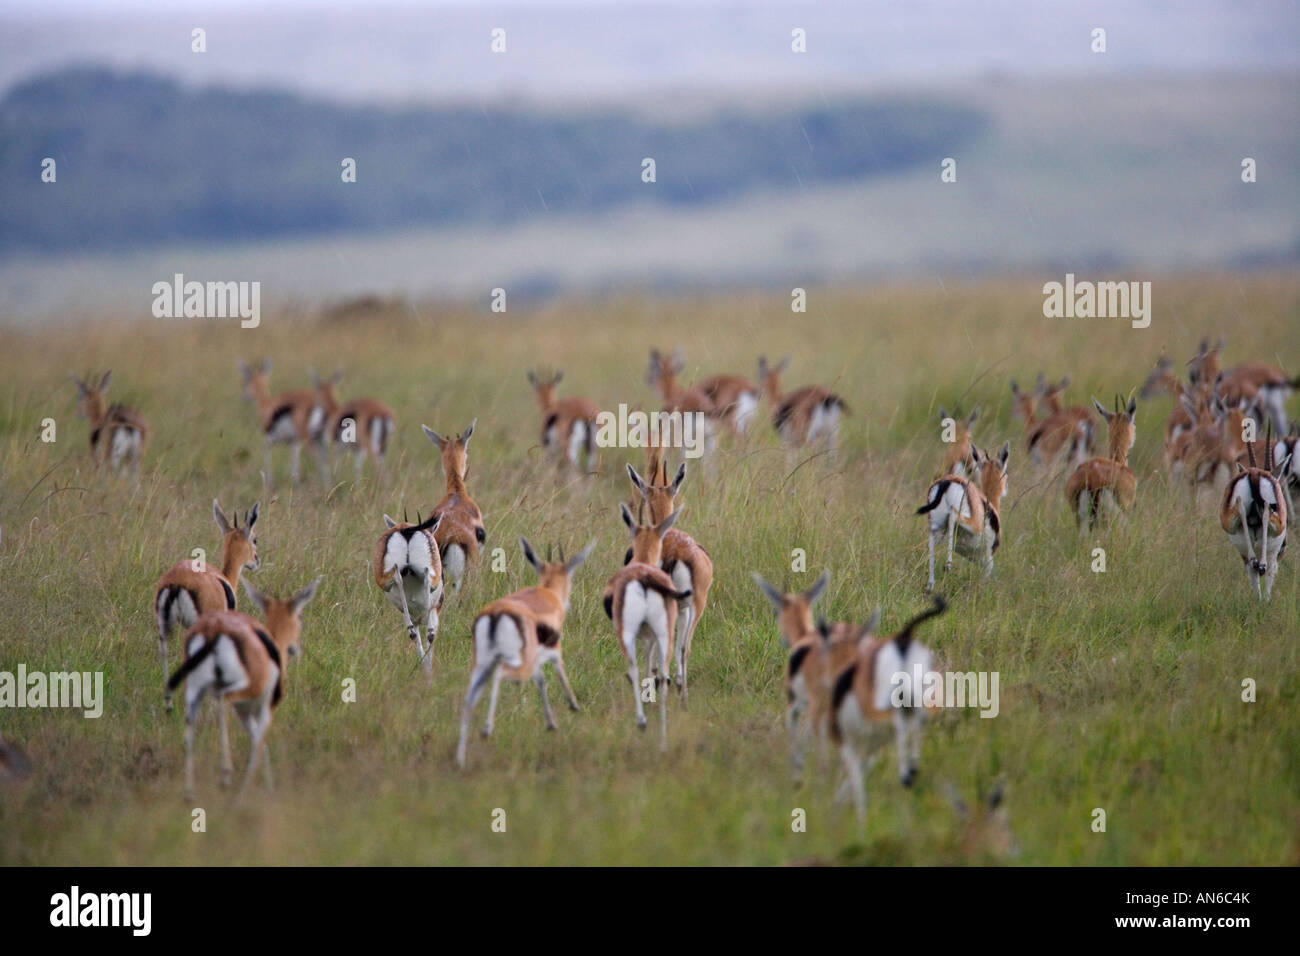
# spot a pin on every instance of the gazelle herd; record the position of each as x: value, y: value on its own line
x: 839, y: 677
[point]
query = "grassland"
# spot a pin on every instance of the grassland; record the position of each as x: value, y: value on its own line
x: 1120, y: 690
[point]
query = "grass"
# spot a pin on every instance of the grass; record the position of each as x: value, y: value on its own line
x: 1120, y: 690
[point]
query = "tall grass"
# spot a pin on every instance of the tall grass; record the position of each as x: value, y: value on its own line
x: 1120, y: 690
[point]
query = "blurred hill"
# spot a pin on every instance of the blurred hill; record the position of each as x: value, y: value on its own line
x: 143, y: 159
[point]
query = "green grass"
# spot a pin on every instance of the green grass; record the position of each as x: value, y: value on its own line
x: 1119, y: 690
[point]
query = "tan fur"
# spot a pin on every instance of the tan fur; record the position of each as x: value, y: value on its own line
x: 792, y: 412
x: 299, y: 402
x: 462, y: 521
x: 1111, y: 473
x: 106, y: 421
x: 565, y: 412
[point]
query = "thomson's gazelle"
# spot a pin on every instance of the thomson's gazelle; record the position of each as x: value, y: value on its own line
x: 641, y: 601
x: 409, y: 572
x: 863, y: 697
x: 240, y: 660
x: 518, y: 635
x: 461, y: 531
x: 1254, y: 513
x: 1106, y: 480
x: 967, y: 511
x: 568, y: 424
x: 193, y: 587
x: 118, y: 434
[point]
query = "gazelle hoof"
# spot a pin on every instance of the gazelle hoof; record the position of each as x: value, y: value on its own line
x: 909, y: 778
x: 641, y: 723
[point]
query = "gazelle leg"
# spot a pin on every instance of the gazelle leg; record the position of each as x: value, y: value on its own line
x: 853, y: 770
x: 952, y: 535
x: 540, y: 680
x: 634, y: 675
x: 295, y: 452
x: 412, y: 631
x: 223, y: 724
x: 266, y: 764
x: 564, y: 682
x: 661, y: 682
x: 266, y: 472
x: 257, y: 725
x: 162, y: 655
x: 478, y: 679
x: 929, y: 583
x: 492, y: 703
x: 193, y: 705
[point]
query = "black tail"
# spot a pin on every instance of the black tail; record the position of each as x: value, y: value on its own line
x: 669, y: 592
x: 191, y: 662
x: 904, y: 637
x: 939, y: 490
x: 428, y: 522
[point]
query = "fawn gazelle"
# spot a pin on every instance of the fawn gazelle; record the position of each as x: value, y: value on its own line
x: 461, y: 531
x: 862, y: 697
x: 408, y: 570
x: 956, y: 456
x: 516, y: 636
x: 1106, y: 480
x: 686, y: 563
x: 118, y: 435
x: 190, y: 588
x: 363, y: 426
x: 286, y: 419
x: 240, y: 660
x: 967, y: 509
x: 730, y: 399
x: 1254, y: 504
x: 1070, y: 430
x: 816, y: 655
x: 662, y: 374
x: 568, y: 424
x: 641, y: 602
x: 806, y: 415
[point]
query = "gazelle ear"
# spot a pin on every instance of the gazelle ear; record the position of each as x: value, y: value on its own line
x: 773, y: 595
x: 1240, y: 468
x: 1132, y: 409
x: 1064, y: 384
x: 679, y: 360
x: 814, y: 592
x: 783, y: 364
x: 266, y: 366
x: 434, y: 436
x: 243, y: 368
x: 558, y: 375
x: 81, y: 387
x: 1015, y: 389
x: 303, y: 598
x: 220, y: 516
x: 943, y: 413
x: 873, y: 622
x: 1004, y: 456
x: 578, y: 559
x: 1279, y: 469
x: 252, y: 516
x: 337, y: 376
x: 1100, y: 407
x: 975, y: 413
x: 637, y: 481
x: 681, y: 476
x: 259, y: 602
x: 977, y: 457
x: 532, y: 378
x: 315, y: 379
x: 627, y: 517
x: 529, y: 556
x: 662, y: 528
x: 103, y: 382
x: 468, y: 433
x: 823, y: 630
x: 762, y: 366
x: 389, y: 522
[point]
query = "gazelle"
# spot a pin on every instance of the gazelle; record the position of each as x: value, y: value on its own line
x: 686, y: 563
x: 1108, y: 479
x: 1162, y: 377
x: 363, y: 426
x: 409, y: 572
x: 286, y: 418
x: 641, y: 602
x: 816, y: 655
x: 1252, y: 380
x: 1283, y: 450
x: 968, y: 512
x: 806, y: 415
x: 1254, y: 504
x: 240, y: 660
x: 863, y: 697
x: 568, y: 424
x: 729, y: 399
x: 956, y: 456
x: 461, y: 532
x: 662, y: 374
x: 118, y: 435
x: 516, y: 636
x: 1069, y: 430
x: 191, y: 588
x: 1214, y: 442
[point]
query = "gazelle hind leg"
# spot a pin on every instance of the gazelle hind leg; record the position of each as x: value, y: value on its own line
x: 227, y: 765
x: 854, y: 781
x: 564, y: 682
x: 492, y: 704
x: 477, y: 681
x: 634, y: 677
x: 661, y: 684
x: 540, y: 680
